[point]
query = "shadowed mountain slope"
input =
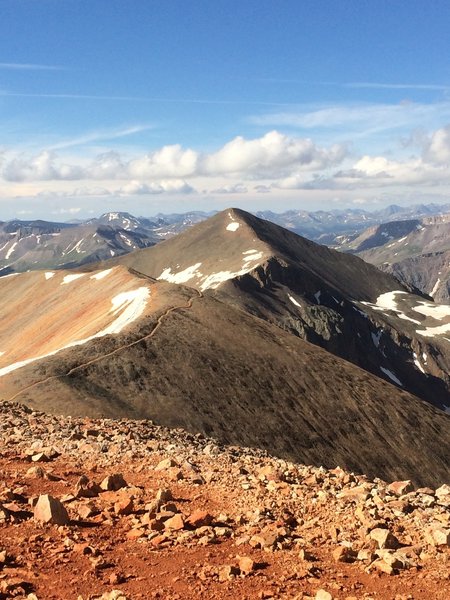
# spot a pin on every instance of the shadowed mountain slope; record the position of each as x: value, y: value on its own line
x: 334, y: 300
x: 416, y: 252
x: 214, y: 369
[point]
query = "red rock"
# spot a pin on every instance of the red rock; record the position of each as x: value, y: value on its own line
x: 227, y: 572
x: 113, y: 482
x: 158, y: 540
x: 167, y: 463
x: 384, y: 538
x: 246, y: 565
x: 438, y: 536
x: 50, y: 510
x: 199, y: 518
x: 176, y: 522
x: 124, y: 506
x: 401, y: 487
x: 344, y: 554
x: 135, y: 534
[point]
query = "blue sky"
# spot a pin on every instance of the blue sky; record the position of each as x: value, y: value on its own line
x: 150, y: 106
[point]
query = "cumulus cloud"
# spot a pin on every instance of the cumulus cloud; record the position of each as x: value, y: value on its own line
x: 268, y: 155
x: 437, y: 150
x: 272, y: 155
x: 374, y: 172
x: 169, y: 161
x: 107, y: 165
x: 41, y: 167
x: 236, y: 188
x: 135, y: 188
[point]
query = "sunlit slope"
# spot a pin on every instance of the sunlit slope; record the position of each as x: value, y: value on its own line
x: 44, y: 312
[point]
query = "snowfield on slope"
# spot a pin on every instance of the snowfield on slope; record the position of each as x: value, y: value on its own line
x: 95, y: 307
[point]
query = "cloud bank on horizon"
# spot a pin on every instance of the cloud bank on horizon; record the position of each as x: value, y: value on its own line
x: 199, y: 117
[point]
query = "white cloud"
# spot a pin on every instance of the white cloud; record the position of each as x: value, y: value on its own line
x: 29, y: 67
x: 359, y: 120
x: 95, y: 136
x: 41, y: 167
x: 108, y: 165
x: 438, y: 149
x: 268, y: 155
x: 235, y: 188
x: 169, y: 161
x: 174, y: 186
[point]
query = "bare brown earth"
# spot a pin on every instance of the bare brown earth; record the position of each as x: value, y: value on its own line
x: 231, y: 522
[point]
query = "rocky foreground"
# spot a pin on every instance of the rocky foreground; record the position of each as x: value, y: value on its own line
x: 125, y: 510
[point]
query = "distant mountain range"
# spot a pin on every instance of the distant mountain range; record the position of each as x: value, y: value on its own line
x: 29, y: 245
x: 417, y: 252
x: 245, y: 331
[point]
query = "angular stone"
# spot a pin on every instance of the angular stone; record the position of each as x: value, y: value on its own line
x: 401, y: 487
x: 354, y: 494
x: 176, y: 522
x: 87, y: 510
x: 344, y: 554
x: 167, y: 463
x: 438, y: 536
x: 323, y: 595
x: 444, y: 490
x: 269, y: 473
x: 85, y: 488
x: 113, y: 483
x: 199, y: 518
x: 227, y: 572
x: 163, y: 496
x: 382, y: 566
x: 124, y: 506
x: 37, y: 472
x: 246, y: 565
x: 40, y: 457
x: 50, y: 510
x: 384, y: 538
x: 135, y: 534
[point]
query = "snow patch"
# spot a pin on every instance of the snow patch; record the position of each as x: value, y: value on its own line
x: 69, y: 278
x: 252, y: 257
x: 10, y: 251
x: 436, y: 285
x: 233, y: 226
x: 49, y: 274
x: 376, y: 338
x: 131, y: 303
x: 182, y: 276
x: 417, y: 363
x: 391, y: 376
x: 317, y: 296
x: 436, y: 311
x: 294, y: 301
x: 101, y: 274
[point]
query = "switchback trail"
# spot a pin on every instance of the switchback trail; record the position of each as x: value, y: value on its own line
x: 188, y: 305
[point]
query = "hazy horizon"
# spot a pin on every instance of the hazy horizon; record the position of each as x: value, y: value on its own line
x: 173, y: 107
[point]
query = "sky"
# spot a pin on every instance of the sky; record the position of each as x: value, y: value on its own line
x: 153, y: 106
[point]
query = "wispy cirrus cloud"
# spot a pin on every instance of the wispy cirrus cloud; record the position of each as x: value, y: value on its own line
x: 352, y: 114
x: 100, y: 135
x: 94, y: 97
x: 438, y: 87
x: 397, y: 86
x: 29, y: 67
